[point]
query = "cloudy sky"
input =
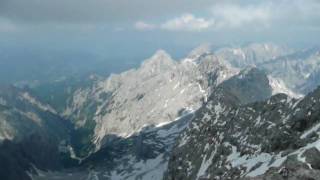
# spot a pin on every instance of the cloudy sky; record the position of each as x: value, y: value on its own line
x: 133, y: 28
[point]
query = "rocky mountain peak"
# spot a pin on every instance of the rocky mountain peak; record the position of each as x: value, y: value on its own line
x: 159, y: 57
x: 159, y: 62
x: 200, y: 50
x: 161, y: 53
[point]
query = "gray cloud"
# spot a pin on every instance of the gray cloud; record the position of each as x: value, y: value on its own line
x: 164, y: 14
x: 84, y: 11
x: 163, y: 22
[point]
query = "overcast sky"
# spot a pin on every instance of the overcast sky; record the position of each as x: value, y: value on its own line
x: 138, y: 27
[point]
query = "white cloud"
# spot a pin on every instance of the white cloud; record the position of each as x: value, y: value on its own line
x: 143, y: 26
x: 233, y: 15
x: 187, y: 22
x: 274, y: 13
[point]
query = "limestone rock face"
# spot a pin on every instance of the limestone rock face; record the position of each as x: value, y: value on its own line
x: 157, y: 92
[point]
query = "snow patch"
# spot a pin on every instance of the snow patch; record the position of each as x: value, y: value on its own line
x: 35, y: 102
x: 205, y: 164
x: 308, y: 132
x: 278, y: 86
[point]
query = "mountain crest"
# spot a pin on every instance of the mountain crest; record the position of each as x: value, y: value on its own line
x: 200, y: 50
x: 160, y: 61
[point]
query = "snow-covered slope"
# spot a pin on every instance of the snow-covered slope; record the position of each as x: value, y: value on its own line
x: 228, y: 140
x: 293, y: 67
x: 252, y: 54
x: 278, y: 86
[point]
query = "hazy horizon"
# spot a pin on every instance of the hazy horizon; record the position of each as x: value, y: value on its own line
x: 106, y: 36
x: 126, y: 29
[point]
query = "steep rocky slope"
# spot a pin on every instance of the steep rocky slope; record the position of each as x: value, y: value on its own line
x: 30, y: 134
x: 157, y: 92
x: 230, y: 140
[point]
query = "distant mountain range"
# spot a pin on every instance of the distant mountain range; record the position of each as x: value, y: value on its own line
x: 232, y: 113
